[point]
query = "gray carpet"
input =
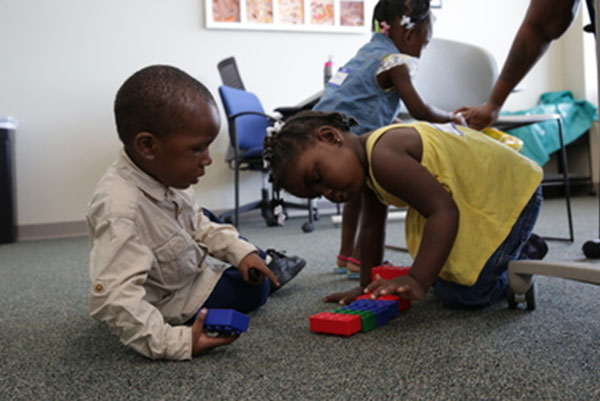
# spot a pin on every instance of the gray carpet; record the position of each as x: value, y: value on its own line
x: 51, y: 350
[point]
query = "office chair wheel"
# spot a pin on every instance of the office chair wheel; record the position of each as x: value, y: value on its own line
x: 514, y: 299
x: 307, y: 227
x: 530, y: 298
x: 316, y: 215
x: 591, y: 249
x: 271, y: 221
x: 511, y: 298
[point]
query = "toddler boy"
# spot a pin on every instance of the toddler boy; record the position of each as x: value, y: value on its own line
x: 156, y: 259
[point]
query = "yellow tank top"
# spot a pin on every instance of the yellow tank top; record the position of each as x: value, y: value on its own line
x: 489, y: 182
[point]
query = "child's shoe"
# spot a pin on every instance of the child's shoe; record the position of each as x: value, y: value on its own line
x: 535, y: 248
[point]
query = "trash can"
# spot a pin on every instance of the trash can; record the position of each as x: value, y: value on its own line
x: 8, y: 205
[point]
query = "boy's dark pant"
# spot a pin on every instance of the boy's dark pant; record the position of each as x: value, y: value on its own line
x: 231, y: 291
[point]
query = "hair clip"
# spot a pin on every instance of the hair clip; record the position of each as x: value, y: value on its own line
x: 274, y: 129
x: 272, y: 132
x: 385, y: 28
x: 406, y: 22
x: 382, y: 27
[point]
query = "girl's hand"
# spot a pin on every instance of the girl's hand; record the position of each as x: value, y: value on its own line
x: 458, y: 118
x: 404, y: 286
x: 202, y: 342
x: 254, y: 262
x: 344, y: 298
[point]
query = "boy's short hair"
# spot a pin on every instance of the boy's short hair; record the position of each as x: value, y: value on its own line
x: 154, y: 99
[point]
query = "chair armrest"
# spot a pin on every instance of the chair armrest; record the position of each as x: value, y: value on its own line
x: 256, y: 113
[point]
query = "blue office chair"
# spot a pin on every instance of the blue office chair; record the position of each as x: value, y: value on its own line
x: 248, y: 125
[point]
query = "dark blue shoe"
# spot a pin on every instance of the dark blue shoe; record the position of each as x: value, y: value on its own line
x: 285, y: 267
x: 535, y: 248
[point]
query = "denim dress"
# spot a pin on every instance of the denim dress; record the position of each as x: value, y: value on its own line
x: 354, y: 89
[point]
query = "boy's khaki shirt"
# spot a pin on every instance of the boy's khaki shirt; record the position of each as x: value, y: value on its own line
x: 149, y: 265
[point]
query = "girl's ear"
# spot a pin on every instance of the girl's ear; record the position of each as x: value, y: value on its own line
x: 410, y: 35
x: 145, y: 145
x: 329, y: 134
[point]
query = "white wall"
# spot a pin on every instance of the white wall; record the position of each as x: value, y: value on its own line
x: 62, y: 62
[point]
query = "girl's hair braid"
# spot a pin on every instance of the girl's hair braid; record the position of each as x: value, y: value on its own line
x: 411, y: 11
x: 297, y: 134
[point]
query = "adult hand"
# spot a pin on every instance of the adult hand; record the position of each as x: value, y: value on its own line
x: 202, y: 342
x: 482, y: 116
x: 458, y: 118
x: 405, y: 286
x: 344, y: 298
x: 253, y: 261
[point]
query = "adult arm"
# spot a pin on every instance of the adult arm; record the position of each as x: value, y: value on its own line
x: 545, y: 21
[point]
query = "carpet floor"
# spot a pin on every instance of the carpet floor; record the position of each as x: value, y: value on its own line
x: 50, y: 349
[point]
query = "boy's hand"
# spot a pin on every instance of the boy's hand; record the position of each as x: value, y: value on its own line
x: 253, y: 261
x: 344, y: 298
x: 405, y: 286
x: 201, y: 341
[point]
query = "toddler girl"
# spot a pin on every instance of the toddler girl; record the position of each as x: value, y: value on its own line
x: 371, y: 85
x: 472, y: 201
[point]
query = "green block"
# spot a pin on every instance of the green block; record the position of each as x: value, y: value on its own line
x: 368, y: 318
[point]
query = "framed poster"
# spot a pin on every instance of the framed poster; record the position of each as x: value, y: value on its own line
x: 290, y: 15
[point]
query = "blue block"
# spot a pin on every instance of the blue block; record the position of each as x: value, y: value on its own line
x: 226, y: 321
x: 391, y: 307
x: 379, y: 308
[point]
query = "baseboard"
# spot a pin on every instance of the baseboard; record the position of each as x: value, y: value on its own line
x: 69, y: 229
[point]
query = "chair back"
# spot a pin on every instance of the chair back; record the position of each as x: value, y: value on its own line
x: 230, y: 74
x: 453, y: 74
x: 250, y: 130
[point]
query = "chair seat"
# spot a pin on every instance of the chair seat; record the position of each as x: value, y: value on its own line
x: 252, y: 153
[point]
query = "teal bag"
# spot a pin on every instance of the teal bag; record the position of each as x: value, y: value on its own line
x: 541, y: 139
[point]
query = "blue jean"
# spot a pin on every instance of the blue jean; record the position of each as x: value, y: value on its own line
x: 231, y: 291
x: 492, y: 281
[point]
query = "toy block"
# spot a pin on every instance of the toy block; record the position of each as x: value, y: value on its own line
x: 389, y: 272
x: 381, y: 312
x: 368, y: 318
x: 226, y: 321
x: 403, y: 304
x: 390, y: 308
x: 335, y: 323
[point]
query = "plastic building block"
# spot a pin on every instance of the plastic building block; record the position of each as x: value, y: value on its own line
x: 335, y: 323
x: 366, y: 313
x: 384, y: 310
x: 388, y: 272
x: 403, y: 304
x: 368, y: 318
x: 226, y: 321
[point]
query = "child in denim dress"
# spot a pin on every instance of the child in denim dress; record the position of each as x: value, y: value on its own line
x: 370, y: 87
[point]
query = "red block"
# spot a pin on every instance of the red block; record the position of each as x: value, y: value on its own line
x: 335, y: 323
x: 388, y: 272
